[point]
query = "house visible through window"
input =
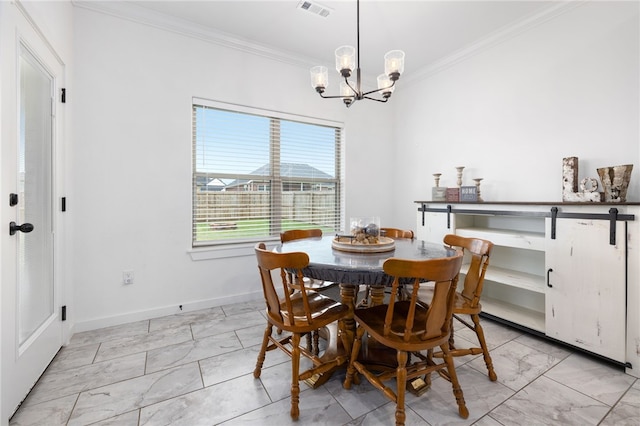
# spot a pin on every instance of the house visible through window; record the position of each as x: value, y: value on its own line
x: 257, y: 173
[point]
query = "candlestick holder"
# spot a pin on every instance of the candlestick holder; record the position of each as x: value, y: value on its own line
x: 477, y: 181
x: 436, y: 176
x: 459, y: 169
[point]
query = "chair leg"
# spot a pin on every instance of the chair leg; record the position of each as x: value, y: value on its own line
x: 401, y: 383
x: 351, y: 369
x: 455, y: 385
x: 427, y: 377
x: 309, y: 342
x: 485, y: 350
x: 263, y: 351
x: 295, y: 372
x: 316, y: 343
x: 451, y: 339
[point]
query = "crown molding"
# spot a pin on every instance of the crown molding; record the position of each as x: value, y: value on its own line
x: 141, y: 15
x: 134, y: 13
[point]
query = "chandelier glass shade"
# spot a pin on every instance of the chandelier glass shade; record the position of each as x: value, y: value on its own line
x: 348, y: 61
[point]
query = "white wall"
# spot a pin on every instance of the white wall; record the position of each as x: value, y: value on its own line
x: 567, y: 87
x: 510, y: 114
x: 131, y: 200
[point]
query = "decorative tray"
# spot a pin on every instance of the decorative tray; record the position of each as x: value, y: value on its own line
x: 347, y: 243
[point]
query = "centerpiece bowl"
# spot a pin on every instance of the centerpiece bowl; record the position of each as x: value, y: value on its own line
x: 349, y: 243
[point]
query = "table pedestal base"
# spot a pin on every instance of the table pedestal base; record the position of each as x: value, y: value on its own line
x: 372, y: 353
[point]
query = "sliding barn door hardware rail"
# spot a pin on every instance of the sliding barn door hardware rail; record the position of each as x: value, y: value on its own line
x: 554, y: 213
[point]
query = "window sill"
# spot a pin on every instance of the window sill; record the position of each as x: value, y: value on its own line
x: 226, y: 251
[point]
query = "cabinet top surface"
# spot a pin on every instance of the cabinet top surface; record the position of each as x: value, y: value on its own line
x: 529, y: 203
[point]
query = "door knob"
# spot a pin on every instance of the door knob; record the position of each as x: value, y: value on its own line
x: 25, y: 227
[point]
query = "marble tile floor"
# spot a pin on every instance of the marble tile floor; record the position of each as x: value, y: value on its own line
x: 196, y: 369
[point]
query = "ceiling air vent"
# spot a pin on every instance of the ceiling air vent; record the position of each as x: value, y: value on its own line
x: 315, y: 8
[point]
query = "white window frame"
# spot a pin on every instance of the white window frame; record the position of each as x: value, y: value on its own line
x: 232, y: 248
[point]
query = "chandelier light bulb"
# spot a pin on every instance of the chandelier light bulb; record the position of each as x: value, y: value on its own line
x: 385, y: 85
x: 394, y: 64
x: 345, y: 60
x: 319, y: 78
x: 345, y: 90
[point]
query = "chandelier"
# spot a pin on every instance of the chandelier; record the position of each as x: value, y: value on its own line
x: 347, y: 61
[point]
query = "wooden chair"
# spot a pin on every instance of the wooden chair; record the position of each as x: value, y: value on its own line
x: 467, y: 301
x: 298, y: 234
x: 299, y: 312
x: 396, y: 233
x: 309, y: 283
x: 393, y: 233
x: 410, y: 327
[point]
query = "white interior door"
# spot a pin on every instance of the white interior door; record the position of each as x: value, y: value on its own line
x: 31, y: 323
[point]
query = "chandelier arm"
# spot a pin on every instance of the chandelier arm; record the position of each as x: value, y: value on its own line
x: 336, y: 96
x: 375, y: 99
x: 356, y: 93
x: 379, y: 90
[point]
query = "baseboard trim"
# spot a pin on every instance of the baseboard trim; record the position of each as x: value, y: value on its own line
x: 94, y: 324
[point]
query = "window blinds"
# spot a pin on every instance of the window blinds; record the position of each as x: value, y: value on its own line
x: 257, y: 173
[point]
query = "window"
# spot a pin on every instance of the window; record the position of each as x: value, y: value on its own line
x: 257, y: 173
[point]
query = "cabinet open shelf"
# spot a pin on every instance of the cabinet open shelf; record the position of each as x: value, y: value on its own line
x: 516, y: 314
x: 507, y: 238
x: 519, y: 279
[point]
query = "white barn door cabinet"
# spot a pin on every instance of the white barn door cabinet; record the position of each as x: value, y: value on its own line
x: 586, y: 289
x: 568, y: 271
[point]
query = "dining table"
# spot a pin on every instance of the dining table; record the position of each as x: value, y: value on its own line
x: 352, y: 268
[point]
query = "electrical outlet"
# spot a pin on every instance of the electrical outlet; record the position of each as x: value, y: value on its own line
x: 127, y: 277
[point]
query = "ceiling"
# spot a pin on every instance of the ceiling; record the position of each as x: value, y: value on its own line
x: 428, y: 31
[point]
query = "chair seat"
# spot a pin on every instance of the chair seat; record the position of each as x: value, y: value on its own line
x: 324, y: 310
x: 373, y: 319
x: 318, y: 285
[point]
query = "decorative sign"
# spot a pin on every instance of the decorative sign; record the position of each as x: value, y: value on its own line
x: 438, y: 193
x: 469, y: 193
x: 453, y: 194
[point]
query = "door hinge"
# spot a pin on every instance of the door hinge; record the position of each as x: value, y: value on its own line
x: 64, y: 313
x: 63, y: 95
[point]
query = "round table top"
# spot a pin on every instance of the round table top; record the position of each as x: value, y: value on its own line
x: 329, y: 264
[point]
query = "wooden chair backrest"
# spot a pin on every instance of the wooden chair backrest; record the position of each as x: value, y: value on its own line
x: 297, y: 234
x: 397, y: 233
x: 283, y: 263
x: 444, y: 271
x: 479, y: 250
